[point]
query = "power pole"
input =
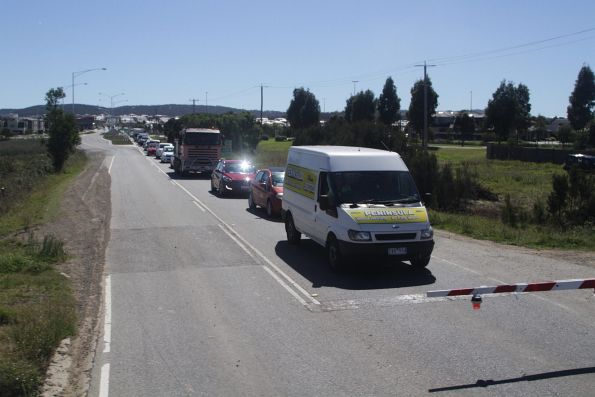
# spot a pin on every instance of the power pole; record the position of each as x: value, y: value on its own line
x: 354, y: 83
x: 194, y: 105
x: 425, y: 137
x: 261, y: 101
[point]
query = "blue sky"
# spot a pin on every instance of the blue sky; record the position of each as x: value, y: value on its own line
x: 161, y: 52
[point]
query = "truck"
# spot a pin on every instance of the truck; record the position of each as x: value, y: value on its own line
x: 356, y: 203
x: 197, y: 150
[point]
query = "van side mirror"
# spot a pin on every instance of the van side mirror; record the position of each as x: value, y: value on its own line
x: 427, y: 199
x: 323, y: 202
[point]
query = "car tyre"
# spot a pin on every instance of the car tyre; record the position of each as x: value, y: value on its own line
x: 293, y: 235
x: 251, y: 203
x: 269, y: 208
x: 420, y: 262
x: 334, y: 256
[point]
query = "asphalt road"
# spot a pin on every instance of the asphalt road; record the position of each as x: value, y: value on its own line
x: 205, y: 297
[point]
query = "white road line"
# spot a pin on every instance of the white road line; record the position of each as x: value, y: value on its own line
x: 104, y: 381
x: 199, y: 206
x: 457, y: 265
x: 253, y: 248
x: 109, y: 170
x: 247, y: 251
x: 107, y: 326
x: 272, y: 265
x: 287, y: 287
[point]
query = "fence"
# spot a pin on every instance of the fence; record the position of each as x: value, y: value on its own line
x: 530, y: 154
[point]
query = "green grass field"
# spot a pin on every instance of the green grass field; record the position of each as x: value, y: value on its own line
x: 525, y: 182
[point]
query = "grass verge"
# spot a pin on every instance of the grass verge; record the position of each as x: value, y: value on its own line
x: 37, y: 307
x: 37, y: 310
x: 42, y: 204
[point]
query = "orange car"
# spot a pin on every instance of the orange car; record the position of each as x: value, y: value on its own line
x: 266, y: 190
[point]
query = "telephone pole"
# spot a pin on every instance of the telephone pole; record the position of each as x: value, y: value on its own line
x: 354, y: 83
x: 194, y: 105
x: 261, y: 101
x: 425, y: 137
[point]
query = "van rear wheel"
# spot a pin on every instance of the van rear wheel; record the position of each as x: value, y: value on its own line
x: 293, y: 235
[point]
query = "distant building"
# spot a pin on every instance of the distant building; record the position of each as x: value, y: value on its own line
x: 556, y: 124
x: 86, y: 122
x: 22, y: 125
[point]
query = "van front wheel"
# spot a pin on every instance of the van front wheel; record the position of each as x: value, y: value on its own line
x: 420, y: 262
x: 293, y: 235
x: 335, y: 258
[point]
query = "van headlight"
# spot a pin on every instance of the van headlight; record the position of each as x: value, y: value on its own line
x: 279, y: 196
x: 356, y: 235
x: 427, y: 233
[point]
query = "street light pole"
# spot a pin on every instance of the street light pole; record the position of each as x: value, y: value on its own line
x: 76, y: 74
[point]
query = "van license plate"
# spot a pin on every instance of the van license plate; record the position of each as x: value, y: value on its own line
x: 397, y: 251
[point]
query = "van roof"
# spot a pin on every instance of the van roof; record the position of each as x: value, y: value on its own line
x: 345, y: 158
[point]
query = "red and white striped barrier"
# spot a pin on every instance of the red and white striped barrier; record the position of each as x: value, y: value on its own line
x: 520, y: 288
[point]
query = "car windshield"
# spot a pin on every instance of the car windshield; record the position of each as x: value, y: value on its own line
x: 374, y: 187
x: 168, y: 149
x: 278, y: 178
x: 239, y: 167
x: 201, y: 138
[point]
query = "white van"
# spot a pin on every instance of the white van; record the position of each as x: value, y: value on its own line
x: 355, y: 202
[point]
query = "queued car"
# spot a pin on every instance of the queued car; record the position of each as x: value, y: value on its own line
x: 160, y: 149
x: 266, y: 190
x: 232, y: 176
x: 152, y: 147
x: 167, y: 154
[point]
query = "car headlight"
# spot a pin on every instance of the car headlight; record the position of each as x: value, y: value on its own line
x: 427, y: 233
x: 226, y: 179
x: 279, y: 195
x: 356, y: 235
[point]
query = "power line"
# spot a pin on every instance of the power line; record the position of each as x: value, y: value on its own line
x: 528, y: 44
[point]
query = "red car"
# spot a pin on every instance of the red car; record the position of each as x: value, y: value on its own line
x: 266, y: 190
x: 232, y: 176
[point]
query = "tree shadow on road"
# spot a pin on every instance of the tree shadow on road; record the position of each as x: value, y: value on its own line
x: 365, y: 273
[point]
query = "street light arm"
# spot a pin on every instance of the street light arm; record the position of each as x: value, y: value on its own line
x: 76, y: 74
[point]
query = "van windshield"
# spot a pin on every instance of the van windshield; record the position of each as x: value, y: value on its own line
x: 373, y: 187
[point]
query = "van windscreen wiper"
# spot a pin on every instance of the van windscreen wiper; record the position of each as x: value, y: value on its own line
x: 406, y: 200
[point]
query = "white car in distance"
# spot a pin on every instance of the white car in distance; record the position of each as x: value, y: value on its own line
x: 167, y: 153
x: 162, y: 146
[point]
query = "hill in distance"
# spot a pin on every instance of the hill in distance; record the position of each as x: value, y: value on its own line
x: 171, y: 110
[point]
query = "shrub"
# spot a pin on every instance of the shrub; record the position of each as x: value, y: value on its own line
x: 509, y: 214
x: 7, y: 315
x: 539, y: 212
x: 557, y: 198
x: 39, y: 329
x: 18, y: 377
